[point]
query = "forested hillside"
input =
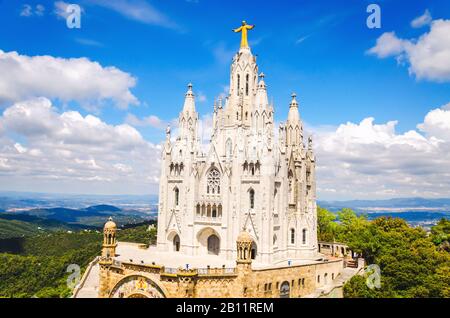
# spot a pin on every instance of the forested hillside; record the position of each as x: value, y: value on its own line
x: 413, y: 263
x: 35, y: 265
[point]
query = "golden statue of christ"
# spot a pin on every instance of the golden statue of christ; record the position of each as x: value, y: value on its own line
x: 243, y: 29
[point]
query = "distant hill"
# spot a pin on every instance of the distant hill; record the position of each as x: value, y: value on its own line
x: 20, y: 225
x: 403, y: 203
x: 102, y: 208
x: 416, y: 211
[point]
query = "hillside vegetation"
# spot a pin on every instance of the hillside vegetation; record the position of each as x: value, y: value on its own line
x: 412, y: 262
x: 35, y: 265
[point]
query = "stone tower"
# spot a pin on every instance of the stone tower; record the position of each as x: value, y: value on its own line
x: 108, y: 254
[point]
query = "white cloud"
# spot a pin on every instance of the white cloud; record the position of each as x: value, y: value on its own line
x: 138, y: 10
x: 423, y: 20
x: 201, y: 98
x: 152, y: 121
x: 72, y: 153
x: 89, y: 42
x: 428, y: 57
x: 369, y: 160
x: 74, y: 79
x: 387, y: 45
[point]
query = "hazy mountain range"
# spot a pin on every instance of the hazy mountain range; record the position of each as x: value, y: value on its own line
x: 73, y: 211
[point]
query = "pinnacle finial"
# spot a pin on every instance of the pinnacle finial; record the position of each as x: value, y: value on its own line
x: 262, y: 75
x: 294, y: 95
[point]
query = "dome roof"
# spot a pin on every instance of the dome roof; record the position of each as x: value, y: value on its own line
x: 244, y: 236
x: 110, y: 224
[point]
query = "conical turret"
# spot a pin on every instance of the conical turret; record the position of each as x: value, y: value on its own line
x: 189, y: 101
x: 188, y: 117
x: 294, y: 128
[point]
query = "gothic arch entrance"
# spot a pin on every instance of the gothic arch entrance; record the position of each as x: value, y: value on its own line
x: 208, y: 241
x: 137, y: 286
x: 137, y: 295
x: 176, y: 243
x: 213, y: 245
x: 285, y: 290
x: 254, y: 251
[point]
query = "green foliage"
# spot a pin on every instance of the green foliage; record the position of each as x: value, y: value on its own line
x: 327, y: 228
x: 15, y: 228
x: 440, y: 234
x: 139, y: 234
x: 412, y: 263
x: 39, y: 268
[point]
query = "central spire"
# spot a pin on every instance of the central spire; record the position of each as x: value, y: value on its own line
x: 243, y: 29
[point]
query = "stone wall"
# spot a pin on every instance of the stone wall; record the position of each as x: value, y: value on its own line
x: 243, y: 282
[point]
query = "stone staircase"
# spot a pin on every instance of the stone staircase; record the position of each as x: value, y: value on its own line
x: 89, y: 284
x: 351, y: 263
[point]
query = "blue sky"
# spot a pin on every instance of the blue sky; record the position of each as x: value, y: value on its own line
x: 317, y: 48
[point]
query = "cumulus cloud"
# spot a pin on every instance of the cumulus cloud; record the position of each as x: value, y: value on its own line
x: 423, y: 20
x: 75, y: 79
x: 369, y: 160
x: 41, y: 148
x: 428, y: 57
x: 151, y: 121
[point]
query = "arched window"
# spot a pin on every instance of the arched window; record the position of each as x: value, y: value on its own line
x: 252, y: 198
x: 274, y: 240
x: 304, y: 236
x: 177, y: 196
x: 213, y: 244
x: 254, y: 250
x: 238, y: 84
x: 292, y: 236
x: 176, y: 243
x: 214, y: 211
x: 229, y: 148
x: 246, y: 85
x: 291, y: 187
x: 213, y: 182
x: 198, y: 209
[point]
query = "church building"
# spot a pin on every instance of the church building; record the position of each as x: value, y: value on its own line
x: 249, y: 179
x: 236, y: 220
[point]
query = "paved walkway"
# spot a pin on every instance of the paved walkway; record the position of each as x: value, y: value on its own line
x: 91, y: 284
x: 338, y: 282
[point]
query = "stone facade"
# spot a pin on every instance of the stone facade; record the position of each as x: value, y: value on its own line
x: 119, y: 279
x: 248, y: 178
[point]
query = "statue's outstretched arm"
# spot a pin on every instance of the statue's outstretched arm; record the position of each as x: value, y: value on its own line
x: 250, y: 26
x: 237, y: 30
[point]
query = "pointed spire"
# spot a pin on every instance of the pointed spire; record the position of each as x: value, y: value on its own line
x: 189, y: 101
x: 294, y: 102
x: 293, y: 115
x: 310, y: 143
x: 261, y: 84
